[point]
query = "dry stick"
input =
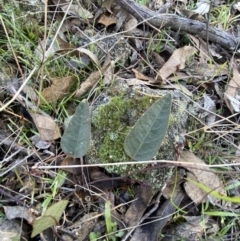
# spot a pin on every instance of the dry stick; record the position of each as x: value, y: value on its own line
x: 16, y: 164
x: 190, y: 26
x: 58, y: 30
x: 177, y: 163
x: 17, y: 200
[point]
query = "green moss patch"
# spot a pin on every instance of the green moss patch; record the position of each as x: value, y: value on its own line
x: 114, y: 120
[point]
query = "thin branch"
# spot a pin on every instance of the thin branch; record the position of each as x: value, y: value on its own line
x: 177, y: 23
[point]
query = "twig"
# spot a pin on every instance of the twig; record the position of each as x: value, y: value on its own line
x: 16, y: 164
x: 17, y: 200
x: 218, y: 36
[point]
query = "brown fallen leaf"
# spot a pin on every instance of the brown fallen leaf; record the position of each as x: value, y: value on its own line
x: 91, y: 81
x: 202, y: 175
x: 159, y: 60
x: 134, y: 81
x: 176, y: 62
x: 47, y: 127
x: 107, y: 20
x: 141, y: 76
x: 68, y: 161
x: 60, y: 88
x: 231, y: 95
x: 130, y: 28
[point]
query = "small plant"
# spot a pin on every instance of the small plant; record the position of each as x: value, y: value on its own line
x: 111, y: 226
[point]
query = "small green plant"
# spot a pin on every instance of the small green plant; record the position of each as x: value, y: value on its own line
x: 111, y: 226
x: 56, y: 184
x: 221, y: 16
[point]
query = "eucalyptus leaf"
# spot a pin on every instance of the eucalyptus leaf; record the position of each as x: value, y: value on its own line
x: 50, y: 218
x: 76, y: 138
x: 145, y: 138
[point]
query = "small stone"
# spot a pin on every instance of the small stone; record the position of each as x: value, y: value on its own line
x: 116, y: 111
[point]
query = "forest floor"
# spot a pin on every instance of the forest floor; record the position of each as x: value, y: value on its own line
x: 97, y: 98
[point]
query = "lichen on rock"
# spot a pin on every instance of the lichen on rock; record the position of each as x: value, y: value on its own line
x: 115, y: 112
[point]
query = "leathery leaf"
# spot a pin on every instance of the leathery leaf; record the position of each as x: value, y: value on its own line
x: 76, y: 138
x: 145, y: 138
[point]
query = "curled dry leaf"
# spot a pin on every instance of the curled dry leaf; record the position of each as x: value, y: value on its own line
x: 47, y: 127
x: 176, y: 61
x: 231, y: 95
x: 60, y: 88
x: 202, y: 175
x: 130, y: 26
x: 135, y: 81
x: 233, y: 103
x: 159, y: 60
x: 90, y: 82
x: 141, y: 76
x: 92, y: 56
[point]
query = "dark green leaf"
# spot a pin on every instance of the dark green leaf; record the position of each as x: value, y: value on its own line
x: 145, y: 138
x: 76, y: 138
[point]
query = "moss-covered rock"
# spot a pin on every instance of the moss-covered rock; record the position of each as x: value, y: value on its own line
x: 115, y: 112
